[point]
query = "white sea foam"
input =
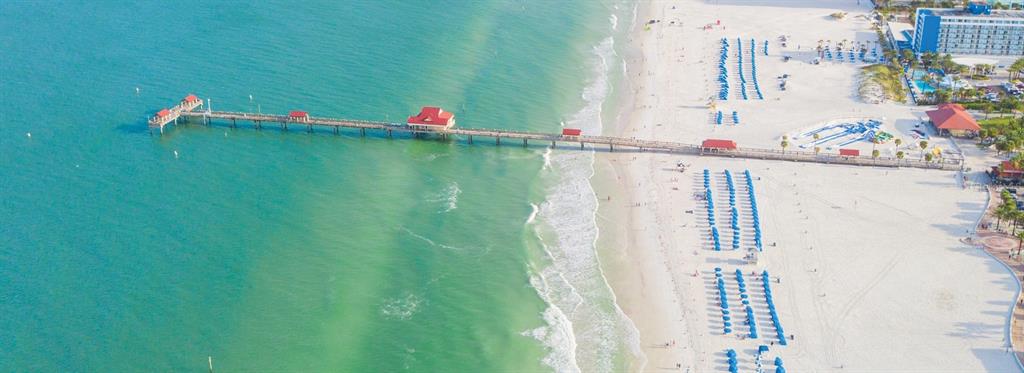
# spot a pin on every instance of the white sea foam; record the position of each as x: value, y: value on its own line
x: 547, y: 159
x: 449, y: 197
x: 581, y: 302
x: 534, y: 209
x: 615, y: 22
x: 401, y: 308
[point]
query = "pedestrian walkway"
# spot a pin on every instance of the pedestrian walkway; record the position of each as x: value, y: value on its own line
x: 1001, y: 245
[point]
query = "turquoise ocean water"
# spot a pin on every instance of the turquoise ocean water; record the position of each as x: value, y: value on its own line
x: 122, y: 251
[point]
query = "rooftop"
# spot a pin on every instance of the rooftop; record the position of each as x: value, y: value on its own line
x: 962, y: 12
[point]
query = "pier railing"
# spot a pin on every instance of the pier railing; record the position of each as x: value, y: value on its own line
x: 610, y: 141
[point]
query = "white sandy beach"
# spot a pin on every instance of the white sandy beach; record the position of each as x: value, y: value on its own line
x: 873, y: 275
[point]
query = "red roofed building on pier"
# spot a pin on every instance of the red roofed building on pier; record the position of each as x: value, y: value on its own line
x: 298, y: 116
x: 717, y: 145
x: 190, y: 98
x: 432, y: 118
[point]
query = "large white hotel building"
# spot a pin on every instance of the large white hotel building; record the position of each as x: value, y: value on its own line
x: 976, y: 29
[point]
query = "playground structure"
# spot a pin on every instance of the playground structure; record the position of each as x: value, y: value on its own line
x: 844, y: 132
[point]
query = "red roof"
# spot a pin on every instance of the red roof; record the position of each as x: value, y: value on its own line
x: 571, y: 132
x: 849, y: 152
x: 191, y: 98
x: 1006, y: 168
x: 163, y: 113
x: 432, y: 115
x: 718, y: 144
x: 298, y: 114
x: 952, y: 117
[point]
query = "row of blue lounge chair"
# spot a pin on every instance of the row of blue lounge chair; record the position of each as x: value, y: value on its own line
x: 730, y: 358
x: 719, y: 117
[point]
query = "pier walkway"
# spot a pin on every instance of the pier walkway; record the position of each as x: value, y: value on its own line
x: 500, y: 135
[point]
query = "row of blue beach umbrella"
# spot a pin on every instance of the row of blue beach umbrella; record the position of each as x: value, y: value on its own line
x: 711, y: 210
x: 730, y: 355
x: 753, y: 209
x: 739, y: 59
x: 765, y: 47
x: 723, y: 73
x: 745, y: 299
x: 778, y: 365
x: 723, y: 301
x: 734, y: 215
x: 753, y: 68
x: 771, y: 308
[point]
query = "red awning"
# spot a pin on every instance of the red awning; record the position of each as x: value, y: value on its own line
x: 718, y: 144
x: 571, y: 132
x: 849, y: 152
x: 191, y: 98
x: 298, y: 114
x: 163, y: 113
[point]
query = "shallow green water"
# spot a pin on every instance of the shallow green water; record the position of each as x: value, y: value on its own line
x: 266, y: 250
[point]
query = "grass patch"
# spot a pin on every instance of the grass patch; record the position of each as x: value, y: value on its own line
x: 889, y: 78
x: 997, y: 121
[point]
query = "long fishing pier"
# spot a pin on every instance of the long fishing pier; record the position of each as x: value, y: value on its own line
x: 434, y: 123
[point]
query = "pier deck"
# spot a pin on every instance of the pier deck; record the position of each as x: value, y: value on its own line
x: 612, y: 143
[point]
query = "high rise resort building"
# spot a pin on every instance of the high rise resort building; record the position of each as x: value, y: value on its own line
x: 976, y: 29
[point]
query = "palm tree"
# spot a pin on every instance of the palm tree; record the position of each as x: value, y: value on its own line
x: 816, y: 137
x: 924, y: 145
x: 1016, y: 217
x: 817, y: 149
x: 1020, y: 241
x: 928, y: 157
x: 1006, y: 211
x: 900, y: 155
x: 898, y: 142
x: 875, y: 154
x: 784, y: 144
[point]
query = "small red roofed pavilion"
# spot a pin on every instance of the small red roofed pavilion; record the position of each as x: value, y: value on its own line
x: 190, y: 98
x: 432, y: 118
x: 298, y: 116
x: 714, y: 145
x: 953, y: 120
x: 571, y: 132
